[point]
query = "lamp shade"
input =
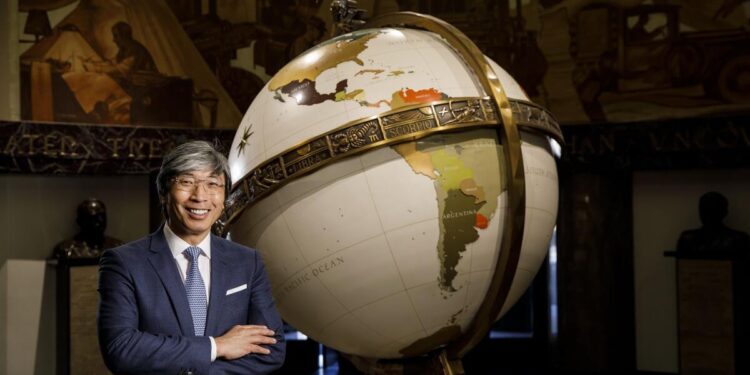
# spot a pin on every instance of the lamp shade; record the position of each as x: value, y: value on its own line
x: 37, y: 23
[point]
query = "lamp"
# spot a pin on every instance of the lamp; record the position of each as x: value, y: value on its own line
x: 37, y: 24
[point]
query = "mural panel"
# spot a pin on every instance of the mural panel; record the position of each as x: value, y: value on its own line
x: 121, y: 62
x: 188, y: 63
x: 615, y: 60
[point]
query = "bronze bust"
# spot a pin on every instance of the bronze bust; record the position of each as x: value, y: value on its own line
x: 714, y: 236
x: 90, y: 242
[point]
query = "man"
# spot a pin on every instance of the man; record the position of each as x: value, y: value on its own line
x: 183, y: 300
x: 131, y: 54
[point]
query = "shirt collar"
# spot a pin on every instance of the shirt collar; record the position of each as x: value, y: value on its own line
x: 177, y: 245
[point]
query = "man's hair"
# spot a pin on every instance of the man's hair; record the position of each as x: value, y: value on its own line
x: 189, y: 157
x: 123, y: 29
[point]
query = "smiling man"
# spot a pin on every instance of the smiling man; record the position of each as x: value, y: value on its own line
x: 182, y: 300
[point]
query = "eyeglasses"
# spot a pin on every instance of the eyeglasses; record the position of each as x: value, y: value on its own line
x: 188, y: 184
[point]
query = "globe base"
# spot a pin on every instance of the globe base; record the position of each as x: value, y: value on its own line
x: 433, y: 363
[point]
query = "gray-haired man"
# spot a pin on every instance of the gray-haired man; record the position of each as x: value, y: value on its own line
x: 182, y: 300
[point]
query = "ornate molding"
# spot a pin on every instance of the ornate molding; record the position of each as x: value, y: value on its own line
x: 55, y: 148
x: 706, y: 142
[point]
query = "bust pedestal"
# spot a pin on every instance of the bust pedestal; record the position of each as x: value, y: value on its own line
x: 77, y: 303
x: 711, y: 313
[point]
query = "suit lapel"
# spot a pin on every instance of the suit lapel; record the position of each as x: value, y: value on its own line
x: 164, y: 264
x: 219, y: 281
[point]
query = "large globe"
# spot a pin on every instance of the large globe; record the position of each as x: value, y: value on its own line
x: 380, y: 231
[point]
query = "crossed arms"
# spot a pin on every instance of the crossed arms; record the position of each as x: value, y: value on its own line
x: 132, y: 342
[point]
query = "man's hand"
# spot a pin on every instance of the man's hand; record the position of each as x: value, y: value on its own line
x: 242, y: 340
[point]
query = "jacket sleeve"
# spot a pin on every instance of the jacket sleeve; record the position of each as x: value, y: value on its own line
x: 262, y: 311
x: 126, y: 349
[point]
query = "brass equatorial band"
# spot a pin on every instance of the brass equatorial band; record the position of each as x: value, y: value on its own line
x: 392, y: 127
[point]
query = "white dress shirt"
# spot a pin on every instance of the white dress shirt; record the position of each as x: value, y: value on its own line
x: 177, y: 246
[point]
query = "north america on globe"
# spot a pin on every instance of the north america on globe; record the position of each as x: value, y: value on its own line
x: 297, y: 80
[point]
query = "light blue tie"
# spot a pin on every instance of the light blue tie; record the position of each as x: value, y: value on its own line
x: 196, y: 291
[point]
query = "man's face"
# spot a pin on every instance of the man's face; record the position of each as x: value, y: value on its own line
x: 192, y: 209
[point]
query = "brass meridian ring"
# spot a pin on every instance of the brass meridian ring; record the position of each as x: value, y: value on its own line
x: 389, y: 128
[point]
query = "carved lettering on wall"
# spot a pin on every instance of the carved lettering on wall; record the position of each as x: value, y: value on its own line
x: 76, y: 149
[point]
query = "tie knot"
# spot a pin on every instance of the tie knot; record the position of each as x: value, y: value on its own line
x: 193, y: 252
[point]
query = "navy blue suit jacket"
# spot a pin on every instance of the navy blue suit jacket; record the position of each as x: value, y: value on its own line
x: 144, y: 322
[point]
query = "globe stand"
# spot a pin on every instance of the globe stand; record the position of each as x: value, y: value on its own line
x: 434, y: 363
x: 450, y: 366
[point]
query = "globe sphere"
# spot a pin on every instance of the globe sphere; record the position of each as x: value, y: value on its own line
x: 371, y: 178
